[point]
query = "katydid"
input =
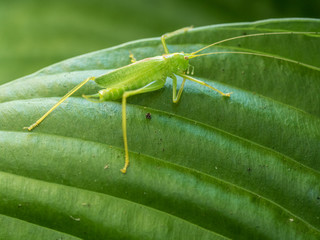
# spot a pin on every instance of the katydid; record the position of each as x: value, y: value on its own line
x: 150, y: 74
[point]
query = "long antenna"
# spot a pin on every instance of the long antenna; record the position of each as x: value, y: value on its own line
x: 252, y: 35
x: 260, y: 55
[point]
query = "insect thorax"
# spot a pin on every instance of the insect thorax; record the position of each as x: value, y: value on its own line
x: 177, y: 62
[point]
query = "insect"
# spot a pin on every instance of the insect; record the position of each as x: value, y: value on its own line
x: 150, y: 74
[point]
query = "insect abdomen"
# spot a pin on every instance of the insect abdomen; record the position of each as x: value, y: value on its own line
x: 110, y: 94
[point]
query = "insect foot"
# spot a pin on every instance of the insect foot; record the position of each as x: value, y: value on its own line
x: 31, y: 127
x: 124, y: 169
x: 227, y: 94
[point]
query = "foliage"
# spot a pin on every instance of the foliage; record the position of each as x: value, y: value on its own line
x: 207, y: 168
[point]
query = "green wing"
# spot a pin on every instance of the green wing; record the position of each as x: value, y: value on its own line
x: 135, y: 75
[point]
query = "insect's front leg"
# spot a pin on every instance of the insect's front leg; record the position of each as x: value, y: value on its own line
x: 168, y: 35
x: 204, y: 84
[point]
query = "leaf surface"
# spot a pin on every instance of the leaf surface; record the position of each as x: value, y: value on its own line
x: 208, y: 167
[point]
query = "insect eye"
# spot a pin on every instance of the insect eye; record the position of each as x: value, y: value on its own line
x: 186, y: 58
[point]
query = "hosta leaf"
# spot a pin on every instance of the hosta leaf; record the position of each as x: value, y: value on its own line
x: 206, y: 168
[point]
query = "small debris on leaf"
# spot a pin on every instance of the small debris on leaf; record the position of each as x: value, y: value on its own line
x: 148, y: 116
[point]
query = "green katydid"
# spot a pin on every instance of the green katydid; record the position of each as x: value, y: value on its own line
x: 150, y: 74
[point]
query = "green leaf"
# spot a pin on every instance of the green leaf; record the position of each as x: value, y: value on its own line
x: 208, y: 167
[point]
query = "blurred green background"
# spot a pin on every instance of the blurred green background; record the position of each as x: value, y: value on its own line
x: 37, y: 33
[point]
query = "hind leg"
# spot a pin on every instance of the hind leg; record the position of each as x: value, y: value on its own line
x: 153, y: 86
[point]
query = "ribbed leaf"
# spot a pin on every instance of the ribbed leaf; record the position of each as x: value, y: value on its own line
x: 206, y: 168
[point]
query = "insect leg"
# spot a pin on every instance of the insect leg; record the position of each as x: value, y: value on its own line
x: 204, y: 84
x: 176, y: 97
x: 155, y: 85
x: 168, y: 35
x: 133, y: 59
x: 58, y: 103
